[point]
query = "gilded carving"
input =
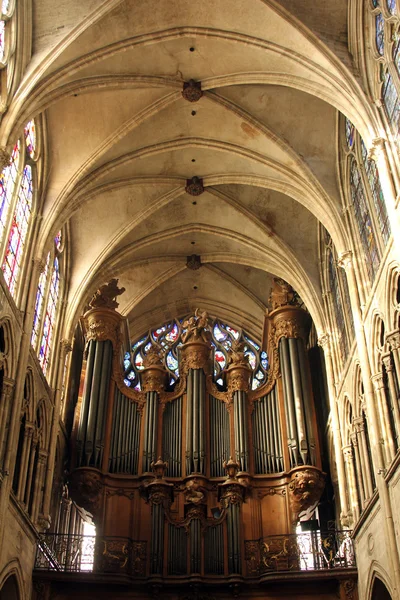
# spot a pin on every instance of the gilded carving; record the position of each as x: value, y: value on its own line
x: 86, y: 489
x: 197, y: 328
x: 282, y: 294
x: 349, y: 588
x: 305, y: 489
x: 106, y: 294
x: 194, y: 492
x: 195, y: 355
x: 238, y: 379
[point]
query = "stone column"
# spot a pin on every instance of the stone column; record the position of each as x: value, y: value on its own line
x: 352, y: 483
x: 387, y: 439
x: 378, y: 153
x: 27, y: 449
x: 5, y: 400
x: 325, y: 342
x: 389, y: 368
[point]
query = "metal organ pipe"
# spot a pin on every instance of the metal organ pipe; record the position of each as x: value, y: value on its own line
x: 289, y: 402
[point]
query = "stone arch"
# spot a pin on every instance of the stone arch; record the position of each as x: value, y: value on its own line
x: 378, y: 583
x: 11, y: 582
x: 6, y: 348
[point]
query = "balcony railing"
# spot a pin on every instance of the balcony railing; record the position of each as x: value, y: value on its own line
x: 88, y: 553
x: 313, y: 551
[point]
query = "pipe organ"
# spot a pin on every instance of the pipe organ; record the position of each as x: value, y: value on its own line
x: 199, y: 469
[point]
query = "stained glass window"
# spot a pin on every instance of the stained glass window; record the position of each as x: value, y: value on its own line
x: 19, y: 229
x: 338, y: 307
x: 391, y: 102
x: 49, y: 317
x: 168, y: 338
x: 2, y: 40
x: 391, y: 4
x: 350, y: 129
x: 39, y: 302
x: 8, y: 178
x: 46, y: 305
x: 377, y: 194
x: 16, y: 204
x: 363, y: 220
x: 380, y: 35
x: 30, y: 138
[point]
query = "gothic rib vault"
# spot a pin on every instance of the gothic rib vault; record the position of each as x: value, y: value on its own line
x: 122, y: 141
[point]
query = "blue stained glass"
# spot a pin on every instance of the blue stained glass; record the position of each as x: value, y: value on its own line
x: 260, y: 375
x: 377, y: 193
x: 252, y: 342
x: 220, y: 381
x: 30, y: 137
x: 127, y: 382
x: 127, y: 362
x: 391, y: 102
x: 172, y: 363
x: 131, y: 375
x: 218, y: 334
x: 380, y: 35
x: 7, y: 184
x: 139, y: 342
x: 391, y: 4
x: 157, y: 332
x: 252, y: 358
x: 138, y: 387
x: 127, y: 355
x: 350, y: 129
x: 255, y: 384
x: 148, y: 346
x: 2, y: 40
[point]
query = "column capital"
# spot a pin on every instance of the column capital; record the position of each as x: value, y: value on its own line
x: 348, y: 453
x: 377, y: 380
x: 393, y: 338
x: 66, y: 345
x: 324, y: 340
x: 387, y: 362
x: 345, y: 260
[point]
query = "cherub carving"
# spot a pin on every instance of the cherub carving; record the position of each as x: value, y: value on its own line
x: 196, y: 328
x: 106, y: 294
x: 194, y: 492
x: 282, y: 294
x: 152, y: 357
x: 236, y: 355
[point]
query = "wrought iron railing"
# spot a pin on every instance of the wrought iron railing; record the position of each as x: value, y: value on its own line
x: 88, y: 553
x: 312, y: 551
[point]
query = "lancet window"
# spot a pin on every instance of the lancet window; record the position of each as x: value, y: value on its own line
x: 337, y: 297
x: 7, y: 46
x: 17, y: 195
x: 365, y: 193
x: 47, y: 300
x: 168, y: 337
x: 384, y: 45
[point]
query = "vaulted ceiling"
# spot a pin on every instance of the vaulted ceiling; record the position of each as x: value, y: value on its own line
x: 121, y: 142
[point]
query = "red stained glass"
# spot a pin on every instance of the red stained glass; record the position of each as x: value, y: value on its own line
x: 7, y: 184
x: 19, y: 229
x: 49, y: 318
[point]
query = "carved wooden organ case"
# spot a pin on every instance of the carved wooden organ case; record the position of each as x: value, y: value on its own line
x: 197, y: 472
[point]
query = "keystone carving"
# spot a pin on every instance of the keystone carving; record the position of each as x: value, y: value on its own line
x: 192, y: 90
x: 194, y: 186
